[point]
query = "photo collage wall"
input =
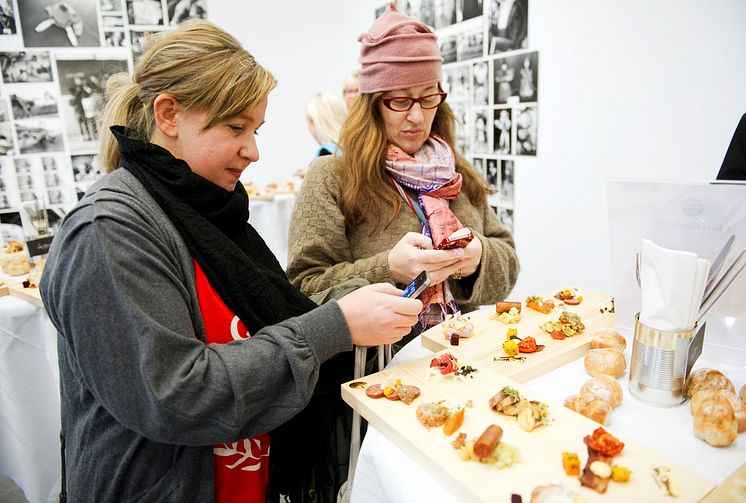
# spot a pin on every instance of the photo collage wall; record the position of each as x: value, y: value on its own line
x: 491, y: 78
x: 55, y: 60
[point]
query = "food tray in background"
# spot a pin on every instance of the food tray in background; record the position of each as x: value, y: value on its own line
x: 30, y: 295
x: 541, y: 449
x: 486, y: 342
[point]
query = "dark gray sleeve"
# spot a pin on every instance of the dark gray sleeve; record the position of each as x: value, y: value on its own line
x: 119, y: 297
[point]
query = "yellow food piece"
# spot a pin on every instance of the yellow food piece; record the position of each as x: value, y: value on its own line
x: 388, y: 391
x: 571, y: 463
x: 511, y: 332
x: 620, y: 474
x: 398, y: 382
x: 511, y: 348
x: 580, y: 297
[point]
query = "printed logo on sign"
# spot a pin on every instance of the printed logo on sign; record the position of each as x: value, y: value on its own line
x: 248, y: 454
x: 238, y: 330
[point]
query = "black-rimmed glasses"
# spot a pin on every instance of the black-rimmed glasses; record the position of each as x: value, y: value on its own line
x: 405, y: 103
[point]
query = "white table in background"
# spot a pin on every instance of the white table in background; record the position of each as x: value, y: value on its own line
x: 271, y: 219
x: 29, y: 400
x: 385, y: 473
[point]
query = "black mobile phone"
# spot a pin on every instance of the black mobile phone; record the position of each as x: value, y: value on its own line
x: 417, y: 286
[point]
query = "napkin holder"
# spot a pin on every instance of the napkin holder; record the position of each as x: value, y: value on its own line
x: 661, y: 363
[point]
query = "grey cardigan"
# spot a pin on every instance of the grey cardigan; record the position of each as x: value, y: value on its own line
x: 143, y: 397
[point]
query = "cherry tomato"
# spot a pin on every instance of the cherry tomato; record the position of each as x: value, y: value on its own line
x: 604, y: 443
x: 557, y: 335
x: 527, y: 345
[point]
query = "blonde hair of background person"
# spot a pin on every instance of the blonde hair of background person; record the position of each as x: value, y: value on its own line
x: 351, y: 88
x: 156, y: 381
x: 325, y: 113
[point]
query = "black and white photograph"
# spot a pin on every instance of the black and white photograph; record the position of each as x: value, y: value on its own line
x: 502, y: 122
x: 423, y: 10
x: 55, y: 197
x: 7, y: 18
x: 448, y: 49
x: 470, y: 44
x: 145, y: 12
x: 27, y: 196
x: 460, y: 110
x: 6, y: 133
x: 23, y: 167
x: 137, y: 42
x: 492, y: 174
x: 505, y: 215
x: 469, y: 9
x: 111, y: 5
x: 4, y: 203
x: 456, y: 83
x: 506, y: 183
x: 515, y: 78
x: 507, y: 25
x: 112, y: 21
x: 25, y: 182
x: 525, y: 130
x: 34, y: 101
x: 39, y: 135
x: 26, y: 66
x: 479, y: 165
x: 52, y: 179
x: 480, y: 83
x: 181, y: 10
x: 72, y: 23
x: 114, y: 38
x: 480, y: 139
x: 82, y: 83
x: 49, y: 164
x: 444, y: 13
x: 85, y: 169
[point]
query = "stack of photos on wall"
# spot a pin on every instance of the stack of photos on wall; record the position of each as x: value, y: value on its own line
x: 55, y: 60
x: 491, y: 77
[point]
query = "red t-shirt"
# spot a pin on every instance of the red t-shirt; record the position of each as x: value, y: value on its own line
x: 241, y: 468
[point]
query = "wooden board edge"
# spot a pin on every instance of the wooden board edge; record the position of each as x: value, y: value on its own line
x: 21, y: 293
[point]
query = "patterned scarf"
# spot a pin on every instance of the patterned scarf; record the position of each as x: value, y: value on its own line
x: 431, y: 172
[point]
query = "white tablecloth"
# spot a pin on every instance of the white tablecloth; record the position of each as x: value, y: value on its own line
x: 271, y: 219
x: 29, y: 400
x: 385, y: 473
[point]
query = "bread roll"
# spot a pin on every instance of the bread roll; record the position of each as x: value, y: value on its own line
x: 607, y: 338
x: 16, y: 267
x: 707, y: 378
x: 739, y: 409
x: 605, y: 387
x: 571, y: 402
x: 715, y: 422
x: 590, y: 406
x: 605, y: 361
x: 742, y: 393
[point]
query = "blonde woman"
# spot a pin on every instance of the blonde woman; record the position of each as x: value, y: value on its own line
x: 351, y: 88
x: 183, y: 348
x: 325, y: 113
x: 400, y: 188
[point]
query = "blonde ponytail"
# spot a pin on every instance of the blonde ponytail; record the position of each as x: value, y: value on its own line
x: 199, y: 65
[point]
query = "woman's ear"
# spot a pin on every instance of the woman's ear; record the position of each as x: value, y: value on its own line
x: 164, y: 109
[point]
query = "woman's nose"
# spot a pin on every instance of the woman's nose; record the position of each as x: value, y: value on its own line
x: 415, y: 113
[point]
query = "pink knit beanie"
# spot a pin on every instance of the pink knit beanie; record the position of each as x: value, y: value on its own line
x: 398, y: 52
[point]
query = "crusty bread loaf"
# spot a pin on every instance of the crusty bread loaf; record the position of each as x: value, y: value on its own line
x: 608, y: 338
x: 590, y: 406
x: 715, y: 422
x: 707, y: 378
x: 739, y: 409
x: 605, y: 361
x: 16, y: 267
x: 605, y: 387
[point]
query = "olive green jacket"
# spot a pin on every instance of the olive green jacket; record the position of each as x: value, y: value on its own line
x: 323, y: 251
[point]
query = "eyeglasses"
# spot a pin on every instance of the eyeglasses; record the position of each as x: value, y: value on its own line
x: 405, y: 103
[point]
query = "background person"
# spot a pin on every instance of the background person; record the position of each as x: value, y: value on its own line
x: 182, y: 346
x: 325, y: 113
x: 350, y: 88
x: 399, y: 187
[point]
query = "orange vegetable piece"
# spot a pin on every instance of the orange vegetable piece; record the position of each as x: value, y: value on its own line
x: 454, y: 422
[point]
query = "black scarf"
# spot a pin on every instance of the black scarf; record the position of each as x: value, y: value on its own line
x: 214, y: 225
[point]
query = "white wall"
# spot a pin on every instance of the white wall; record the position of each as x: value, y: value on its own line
x: 627, y: 88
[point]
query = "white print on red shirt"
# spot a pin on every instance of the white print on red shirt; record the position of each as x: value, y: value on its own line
x: 248, y: 454
x: 238, y: 328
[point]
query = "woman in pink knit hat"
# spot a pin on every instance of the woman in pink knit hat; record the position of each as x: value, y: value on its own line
x: 379, y: 210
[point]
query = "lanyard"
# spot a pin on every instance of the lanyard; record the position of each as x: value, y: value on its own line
x: 415, y: 206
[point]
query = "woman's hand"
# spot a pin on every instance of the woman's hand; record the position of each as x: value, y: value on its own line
x: 414, y: 253
x: 378, y: 314
x: 472, y: 257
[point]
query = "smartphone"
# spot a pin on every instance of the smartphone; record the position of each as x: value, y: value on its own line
x: 458, y: 239
x: 417, y: 286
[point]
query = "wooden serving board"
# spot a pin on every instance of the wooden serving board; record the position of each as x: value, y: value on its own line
x: 541, y: 449
x: 31, y: 295
x: 488, y: 337
x: 732, y: 490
